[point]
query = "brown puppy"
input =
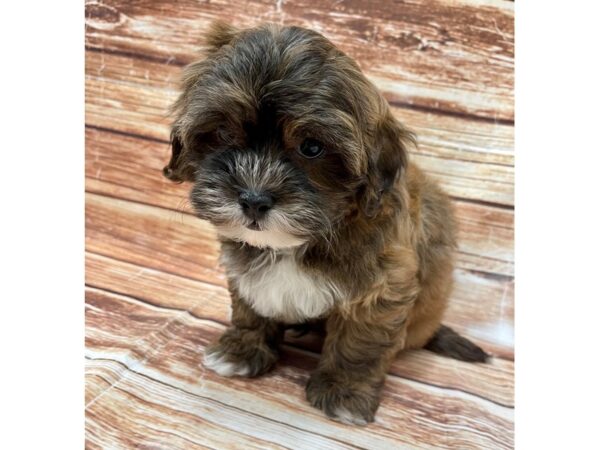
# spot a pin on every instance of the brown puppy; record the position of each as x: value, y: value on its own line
x: 299, y: 164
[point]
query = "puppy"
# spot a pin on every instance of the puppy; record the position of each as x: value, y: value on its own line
x: 298, y: 162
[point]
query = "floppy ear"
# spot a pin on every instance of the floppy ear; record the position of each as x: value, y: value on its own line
x: 180, y: 167
x: 387, y: 158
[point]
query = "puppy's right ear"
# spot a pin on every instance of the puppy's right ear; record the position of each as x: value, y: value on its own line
x: 180, y: 167
x: 387, y: 159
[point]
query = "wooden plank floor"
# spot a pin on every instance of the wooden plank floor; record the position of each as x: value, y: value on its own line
x: 155, y: 296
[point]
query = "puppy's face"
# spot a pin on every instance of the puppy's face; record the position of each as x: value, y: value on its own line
x: 283, y: 137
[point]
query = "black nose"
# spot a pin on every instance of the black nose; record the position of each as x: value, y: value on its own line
x: 255, y: 204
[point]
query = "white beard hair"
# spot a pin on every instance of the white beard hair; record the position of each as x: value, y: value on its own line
x: 274, y: 239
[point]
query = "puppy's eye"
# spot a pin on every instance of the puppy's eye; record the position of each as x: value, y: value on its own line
x: 311, y: 148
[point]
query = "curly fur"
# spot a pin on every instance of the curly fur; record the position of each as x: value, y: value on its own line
x: 358, y: 237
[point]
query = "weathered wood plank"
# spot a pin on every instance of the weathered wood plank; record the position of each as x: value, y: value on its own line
x: 481, y: 307
x: 152, y: 414
x: 473, y: 160
x: 113, y: 161
x: 435, y: 54
x: 166, y: 290
x: 153, y: 237
x: 171, y: 382
x: 485, y: 238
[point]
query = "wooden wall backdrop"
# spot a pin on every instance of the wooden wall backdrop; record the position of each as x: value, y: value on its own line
x: 155, y: 296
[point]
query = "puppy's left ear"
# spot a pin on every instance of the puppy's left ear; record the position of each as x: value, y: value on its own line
x: 180, y: 167
x: 387, y: 159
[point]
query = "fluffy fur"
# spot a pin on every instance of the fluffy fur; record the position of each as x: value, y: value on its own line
x: 354, y: 235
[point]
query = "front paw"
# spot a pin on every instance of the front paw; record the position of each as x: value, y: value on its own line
x: 346, y: 401
x: 240, y: 353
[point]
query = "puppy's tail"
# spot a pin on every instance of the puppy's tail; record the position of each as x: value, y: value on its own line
x: 448, y: 342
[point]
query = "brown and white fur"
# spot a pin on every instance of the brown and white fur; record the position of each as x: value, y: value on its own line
x: 298, y: 162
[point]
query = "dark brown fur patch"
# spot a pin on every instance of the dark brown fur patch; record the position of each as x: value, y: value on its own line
x: 448, y: 342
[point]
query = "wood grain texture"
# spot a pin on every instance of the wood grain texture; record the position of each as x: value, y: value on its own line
x: 430, y: 54
x: 472, y: 160
x: 156, y: 296
x: 161, y: 371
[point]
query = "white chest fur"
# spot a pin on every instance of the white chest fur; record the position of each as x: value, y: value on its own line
x: 279, y: 288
